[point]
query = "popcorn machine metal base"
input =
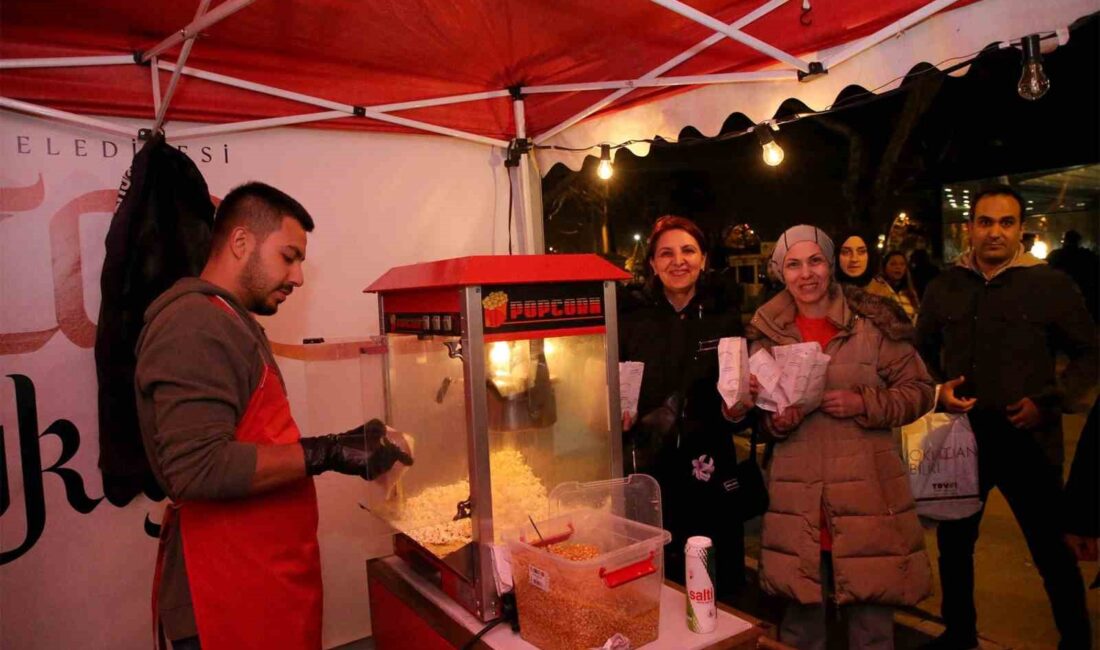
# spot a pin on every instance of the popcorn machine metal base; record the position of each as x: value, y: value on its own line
x: 503, y: 372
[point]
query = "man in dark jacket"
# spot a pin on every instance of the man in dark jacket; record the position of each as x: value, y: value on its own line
x: 990, y: 328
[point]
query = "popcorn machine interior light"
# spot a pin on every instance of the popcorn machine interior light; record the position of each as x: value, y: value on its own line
x: 503, y: 370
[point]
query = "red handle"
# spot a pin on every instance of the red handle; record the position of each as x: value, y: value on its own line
x: 630, y: 572
x: 547, y: 541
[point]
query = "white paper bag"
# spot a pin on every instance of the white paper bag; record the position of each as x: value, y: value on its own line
x: 794, y: 376
x: 763, y: 365
x: 942, y: 456
x: 630, y: 386
x: 802, y: 377
x: 733, y: 370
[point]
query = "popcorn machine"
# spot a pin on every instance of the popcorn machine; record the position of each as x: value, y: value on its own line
x: 503, y: 372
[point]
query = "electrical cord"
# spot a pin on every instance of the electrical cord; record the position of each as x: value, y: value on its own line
x: 469, y: 645
x: 508, y: 614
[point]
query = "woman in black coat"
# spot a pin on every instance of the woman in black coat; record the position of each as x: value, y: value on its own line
x: 683, y: 433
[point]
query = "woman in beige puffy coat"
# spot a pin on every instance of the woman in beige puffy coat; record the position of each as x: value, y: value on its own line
x: 841, y: 524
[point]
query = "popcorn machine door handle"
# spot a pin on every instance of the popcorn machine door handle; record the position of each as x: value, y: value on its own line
x: 630, y: 572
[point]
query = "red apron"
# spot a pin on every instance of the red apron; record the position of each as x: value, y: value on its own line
x: 253, y: 564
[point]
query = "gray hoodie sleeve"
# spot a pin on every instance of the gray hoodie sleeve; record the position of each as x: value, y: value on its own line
x: 194, y: 377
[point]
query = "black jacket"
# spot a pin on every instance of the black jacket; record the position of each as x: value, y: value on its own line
x: 160, y: 233
x: 1003, y: 334
x: 680, y: 352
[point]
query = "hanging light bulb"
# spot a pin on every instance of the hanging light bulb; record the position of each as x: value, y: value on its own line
x: 1033, y: 81
x: 605, y: 170
x: 773, y: 153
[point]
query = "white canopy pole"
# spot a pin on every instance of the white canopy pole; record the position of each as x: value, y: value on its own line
x: 528, y: 214
x: 432, y: 128
x: 155, y: 70
x: 726, y: 78
x: 741, y: 37
x: 881, y: 35
x: 226, y: 80
x: 349, y: 109
x: 66, y: 62
x: 742, y: 22
x: 688, y: 80
x: 65, y: 116
x: 193, y: 28
x: 439, y: 101
x: 252, y: 125
x: 162, y: 108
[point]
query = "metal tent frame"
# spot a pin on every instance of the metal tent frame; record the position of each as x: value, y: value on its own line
x: 790, y: 68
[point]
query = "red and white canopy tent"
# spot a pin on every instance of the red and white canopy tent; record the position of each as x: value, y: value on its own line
x: 587, y: 73
x: 567, y: 73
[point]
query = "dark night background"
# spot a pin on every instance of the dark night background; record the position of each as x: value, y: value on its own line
x: 857, y: 166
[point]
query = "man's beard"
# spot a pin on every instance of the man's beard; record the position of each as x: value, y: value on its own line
x: 257, y: 287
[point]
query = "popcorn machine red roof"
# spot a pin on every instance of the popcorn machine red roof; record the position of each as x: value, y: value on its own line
x: 502, y: 371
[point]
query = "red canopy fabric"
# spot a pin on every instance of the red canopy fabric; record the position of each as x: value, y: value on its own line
x: 367, y: 53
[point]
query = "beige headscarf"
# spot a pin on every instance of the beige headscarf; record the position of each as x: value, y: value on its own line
x: 792, y: 236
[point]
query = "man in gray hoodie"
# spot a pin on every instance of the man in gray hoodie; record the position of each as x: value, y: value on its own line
x: 219, y: 436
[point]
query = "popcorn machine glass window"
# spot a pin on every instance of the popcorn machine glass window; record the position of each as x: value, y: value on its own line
x: 501, y: 375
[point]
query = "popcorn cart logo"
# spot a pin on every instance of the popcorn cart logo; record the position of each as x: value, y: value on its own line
x: 503, y: 308
x: 496, y: 308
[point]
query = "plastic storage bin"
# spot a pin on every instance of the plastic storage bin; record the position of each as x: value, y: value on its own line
x: 592, y: 570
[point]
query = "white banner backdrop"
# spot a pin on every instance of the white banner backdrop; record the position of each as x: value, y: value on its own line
x: 75, y: 570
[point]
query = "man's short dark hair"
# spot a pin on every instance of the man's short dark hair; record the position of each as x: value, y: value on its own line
x: 997, y: 190
x: 260, y: 208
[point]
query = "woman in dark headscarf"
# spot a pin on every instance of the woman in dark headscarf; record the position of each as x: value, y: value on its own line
x: 855, y: 255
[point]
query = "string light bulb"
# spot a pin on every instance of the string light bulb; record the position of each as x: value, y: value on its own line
x: 605, y: 170
x: 773, y: 153
x: 1039, y: 249
x: 1033, y: 80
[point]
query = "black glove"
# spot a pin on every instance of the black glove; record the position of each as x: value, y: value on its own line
x: 363, y: 451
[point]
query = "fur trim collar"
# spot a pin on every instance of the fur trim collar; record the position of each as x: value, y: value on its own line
x: 885, y: 313
x: 775, y: 320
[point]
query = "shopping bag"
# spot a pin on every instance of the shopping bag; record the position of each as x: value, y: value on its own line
x: 942, y: 456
